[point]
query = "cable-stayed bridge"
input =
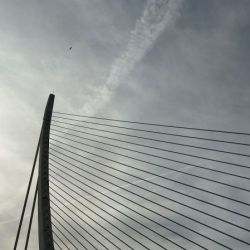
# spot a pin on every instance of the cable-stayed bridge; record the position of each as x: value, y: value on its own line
x: 115, y: 184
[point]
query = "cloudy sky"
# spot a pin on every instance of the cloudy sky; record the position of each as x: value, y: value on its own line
x: 172, y: 62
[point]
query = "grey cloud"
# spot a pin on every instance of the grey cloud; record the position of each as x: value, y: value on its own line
x: 196, y: 74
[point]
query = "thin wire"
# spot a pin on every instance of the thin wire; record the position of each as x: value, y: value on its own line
x: 151, y: 210
x: 89, y: 217
x: 123, y: 214
x: 147, y: 146
x: 156, y: 175
x: 121, y: 211
x: 163, y: 196
x: 96, y: 231
x: 159, y: 125
x: 117, y: 210
x: 145, y: 199
x: 27, y: 194
x: 94, y: 212
x: 63, y: 236
x: 58, y: 245
x: 208, y: 139
x: 146, y: 180
x: 67, y: 230
x: 77, y: 215
x: 138, y: 212
x: 156, y: 204
x: 54, y: 233
x: 31, y: 218
x: 113, y: 217
x: 156, y: 140
x: 156, y: 156
x: 154, y: 164
x: 168, y: 142
x: 69, y: 223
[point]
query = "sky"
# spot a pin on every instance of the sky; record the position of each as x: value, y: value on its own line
x: 170, y: 62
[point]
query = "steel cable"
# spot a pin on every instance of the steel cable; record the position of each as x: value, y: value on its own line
x: 159, y: 176
x: 157, y: 140
x: 95, y: 213
x: 69, y: 223
x: 67, y: 230
x: 161, y: 133
x: 153, y: 210
x: 146, y: 146
x: 158, y: 165
x: 156, y: 156
x: 162, y: 196
x: 123, y: 213
x: 159, y: 125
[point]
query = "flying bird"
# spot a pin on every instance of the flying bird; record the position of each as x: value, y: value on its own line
x: 70, y: 48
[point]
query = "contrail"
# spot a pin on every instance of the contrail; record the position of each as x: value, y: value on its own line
x: 156, y: 16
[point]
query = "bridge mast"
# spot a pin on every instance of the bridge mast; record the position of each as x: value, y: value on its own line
x: 44, y: 216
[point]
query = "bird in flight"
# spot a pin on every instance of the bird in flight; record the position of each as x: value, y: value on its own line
x: 70, y: 48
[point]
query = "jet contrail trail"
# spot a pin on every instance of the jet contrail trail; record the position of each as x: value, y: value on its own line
x: 156, y: 16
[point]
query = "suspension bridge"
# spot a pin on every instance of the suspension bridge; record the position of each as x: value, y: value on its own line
x: 107, y: 183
